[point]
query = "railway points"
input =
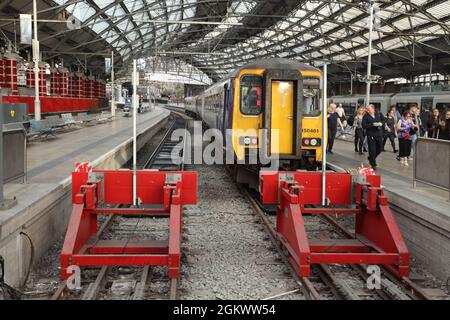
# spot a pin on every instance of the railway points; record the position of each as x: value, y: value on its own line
x: 222, y: 150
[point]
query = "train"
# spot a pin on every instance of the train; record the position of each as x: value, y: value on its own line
x: 403, y: 101
x: 273, y: 93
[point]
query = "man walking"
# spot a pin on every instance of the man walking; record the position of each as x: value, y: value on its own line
x: 373, y: 124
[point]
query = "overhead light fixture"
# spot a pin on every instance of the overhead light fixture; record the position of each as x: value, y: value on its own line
x: 190, y: 53
x: 190, y: 22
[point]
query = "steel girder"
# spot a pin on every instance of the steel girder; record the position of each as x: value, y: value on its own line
x: 410, y: 32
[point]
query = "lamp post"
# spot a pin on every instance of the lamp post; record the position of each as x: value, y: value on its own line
x: 324, y: 134
x: 135, y: 106
x: 369, y: 57
x: 113, y: 91
x: 37, y: 102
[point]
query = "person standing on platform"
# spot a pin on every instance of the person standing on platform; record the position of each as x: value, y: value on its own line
x: 341, y: 112
x: 373, y: 124
x: 404, y: 128
x: 397, y: 115
x: 333, y: 122
x: 389, y: 132
x: 358, y: 130
x: 424, y: 116
x: 433, y: 124
x: 444, y: 131
x: 415, y: 130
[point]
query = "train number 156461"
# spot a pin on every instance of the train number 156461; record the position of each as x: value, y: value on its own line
x: 308, y: 130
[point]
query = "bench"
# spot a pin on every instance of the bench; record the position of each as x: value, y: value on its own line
x: 105, y: 116
x: 86, y: 118
x: 68, y: 119
x: 55, y: 122
x: 41, y: 128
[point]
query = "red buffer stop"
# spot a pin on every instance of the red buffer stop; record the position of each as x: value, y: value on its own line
x: 106, y: 192
x: 377, y: 238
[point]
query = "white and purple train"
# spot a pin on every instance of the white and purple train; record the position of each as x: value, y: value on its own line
x: 402, y: 100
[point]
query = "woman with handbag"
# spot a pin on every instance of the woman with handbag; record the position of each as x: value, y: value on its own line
x: 405, y: 126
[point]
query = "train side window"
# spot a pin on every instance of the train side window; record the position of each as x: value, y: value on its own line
x: 402, y: 106
x: 251, y: 95
x: 426, y: 103
x: 377, y: 106
x: 443, y: 106
x: 361, y: 102
x: 349, y: 108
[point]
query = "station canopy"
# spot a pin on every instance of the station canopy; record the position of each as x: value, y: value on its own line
x: 215, y: 36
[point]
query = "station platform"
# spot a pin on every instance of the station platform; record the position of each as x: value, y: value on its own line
x: 423, y: 212
x: 44, y: 201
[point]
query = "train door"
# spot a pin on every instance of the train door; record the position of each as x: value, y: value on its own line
x: 226, y: 99
x: 282, y: 117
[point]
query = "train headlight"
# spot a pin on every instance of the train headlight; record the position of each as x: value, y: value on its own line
x: 311, y: 142
x: 248, y: 141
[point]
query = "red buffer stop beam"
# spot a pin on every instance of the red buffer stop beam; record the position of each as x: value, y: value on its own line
x: 377, y: 238
x: 100, y: 191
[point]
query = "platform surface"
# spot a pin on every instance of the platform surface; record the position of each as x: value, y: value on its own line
x: 54, y: 160
x: 51, y: 162
x: 395, y: 177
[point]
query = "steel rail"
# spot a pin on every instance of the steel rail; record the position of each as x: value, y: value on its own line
x: 304, y: 283
x: 411, y: 289
x: 62, y: 288
x: 94, y: 288
x: 159, y: 146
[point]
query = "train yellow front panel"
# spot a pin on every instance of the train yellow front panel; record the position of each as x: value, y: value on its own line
x: 282, y: 117
x: 244, y: 125
x: 312, y: 129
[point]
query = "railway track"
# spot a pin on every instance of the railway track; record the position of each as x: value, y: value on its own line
x: 304, y: 284
x: 325, y: 276
x: 338, y: 281
x: 326, y: 281
x: 134, y: 283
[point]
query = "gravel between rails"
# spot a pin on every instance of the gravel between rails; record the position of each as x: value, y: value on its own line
x: 228, y: 253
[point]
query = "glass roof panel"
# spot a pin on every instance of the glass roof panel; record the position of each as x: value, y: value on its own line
x: 298, y: 33
x: 103, y: 3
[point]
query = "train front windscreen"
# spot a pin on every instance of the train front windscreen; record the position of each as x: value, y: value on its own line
x: 311, y: 97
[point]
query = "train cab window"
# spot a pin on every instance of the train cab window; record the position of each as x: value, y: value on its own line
x: 251, y: 95
x: 311, y: 96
